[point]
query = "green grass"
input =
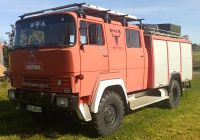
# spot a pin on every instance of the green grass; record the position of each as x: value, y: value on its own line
x: 153, y: 122
x: 196, y: 58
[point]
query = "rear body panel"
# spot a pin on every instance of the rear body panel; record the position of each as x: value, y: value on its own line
x: 168, y: 56
x: 186, y: 63
x: 174, y: 57
x: 160, y: 58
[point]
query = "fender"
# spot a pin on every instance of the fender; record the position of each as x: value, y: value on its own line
x: 84, y: 112
x: 175, y: 75
x: 100, y: 90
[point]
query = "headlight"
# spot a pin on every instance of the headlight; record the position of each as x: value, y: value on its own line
x: 59, y: 82
x: 62, y: 101
x: 11, y: 94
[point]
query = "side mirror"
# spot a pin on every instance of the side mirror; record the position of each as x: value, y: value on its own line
x: 83, y: 41
x: 82, y: 46
x: 83, y: 34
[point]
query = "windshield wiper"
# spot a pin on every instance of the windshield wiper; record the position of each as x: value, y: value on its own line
x: 17, y: 46
x: 32, y: 46
x: 24, y: 46
x: 53, y: 44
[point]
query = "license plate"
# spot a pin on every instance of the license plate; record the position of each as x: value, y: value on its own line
x: 34, y: 108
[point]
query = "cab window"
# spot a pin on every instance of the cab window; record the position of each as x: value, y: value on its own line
x: 132, y: 38
x: 91, y: 33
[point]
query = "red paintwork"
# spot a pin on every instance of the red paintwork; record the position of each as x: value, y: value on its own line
x: 135, y: 66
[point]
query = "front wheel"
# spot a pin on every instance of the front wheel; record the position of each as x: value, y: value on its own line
x: 110, y: 114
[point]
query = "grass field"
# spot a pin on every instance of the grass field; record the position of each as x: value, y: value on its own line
x: 196, y: 59
x: 150, y: 123
x: 153, y: 122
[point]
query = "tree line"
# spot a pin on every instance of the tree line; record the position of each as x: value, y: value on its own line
x: 8, y: 44
x: 195, y: 47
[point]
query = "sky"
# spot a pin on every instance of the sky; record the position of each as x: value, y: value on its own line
x: 182, y: 12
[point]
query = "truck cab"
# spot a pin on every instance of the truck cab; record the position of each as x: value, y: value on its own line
x: 45, y: 58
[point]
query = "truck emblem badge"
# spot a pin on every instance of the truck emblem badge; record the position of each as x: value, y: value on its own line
x: 36, y: 67
x: 32, y: 57
x: 116, y: 34
x: 33, y: 65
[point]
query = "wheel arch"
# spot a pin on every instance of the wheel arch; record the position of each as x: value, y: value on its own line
x: 116, y: 85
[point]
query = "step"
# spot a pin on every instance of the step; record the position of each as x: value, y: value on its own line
x: 136, y: 103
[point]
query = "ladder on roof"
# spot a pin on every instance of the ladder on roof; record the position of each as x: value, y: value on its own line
x: 84, y: 9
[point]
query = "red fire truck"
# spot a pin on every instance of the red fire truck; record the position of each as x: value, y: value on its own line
x: 92, y: 61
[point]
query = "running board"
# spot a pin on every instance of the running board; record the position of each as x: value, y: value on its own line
x: 136, y: 103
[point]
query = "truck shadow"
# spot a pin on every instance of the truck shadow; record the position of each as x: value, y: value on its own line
x: 25, y: 125
x: 159, y: 105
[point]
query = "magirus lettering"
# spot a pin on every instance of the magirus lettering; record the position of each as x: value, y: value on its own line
x: 36, y: 67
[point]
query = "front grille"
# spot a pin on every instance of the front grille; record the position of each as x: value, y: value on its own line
x: 39, y: 83
x: 36, y: 83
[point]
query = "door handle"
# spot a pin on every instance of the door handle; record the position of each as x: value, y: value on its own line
x: 105, y: 55
x: 142, y: 56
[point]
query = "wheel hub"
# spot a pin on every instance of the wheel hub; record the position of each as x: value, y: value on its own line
x: 110, y: 114
x: 174, y: 95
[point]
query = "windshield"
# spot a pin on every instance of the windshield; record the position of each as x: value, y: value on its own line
x: 47, y: 30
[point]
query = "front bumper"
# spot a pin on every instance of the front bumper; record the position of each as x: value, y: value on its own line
x: 44, y: 99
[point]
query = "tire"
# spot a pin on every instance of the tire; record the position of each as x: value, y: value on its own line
x: 110, y: 114
x: 174, y: 95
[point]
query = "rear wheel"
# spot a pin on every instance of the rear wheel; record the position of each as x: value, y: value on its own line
x: 174, y: 94
x: 110, y: 114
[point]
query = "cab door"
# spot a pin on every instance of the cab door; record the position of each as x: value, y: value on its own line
x: 135, y: 60
x: 93, y: 54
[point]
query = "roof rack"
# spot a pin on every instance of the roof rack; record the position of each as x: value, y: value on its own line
x: 82, y: 9
x: 156, y: 31
x: 114, y: 15
x: 53, y: 9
